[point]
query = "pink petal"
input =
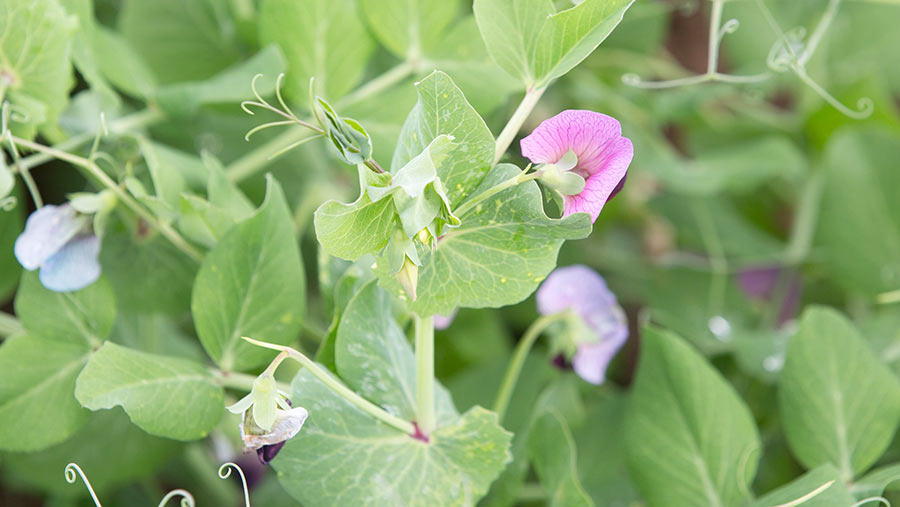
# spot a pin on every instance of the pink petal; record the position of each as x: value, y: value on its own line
x: 600, y: 185
x: 592, y: 359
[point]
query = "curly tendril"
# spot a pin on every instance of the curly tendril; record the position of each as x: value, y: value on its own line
x: 72, y: 471
x: 225, y: 472
x: 187, y: 499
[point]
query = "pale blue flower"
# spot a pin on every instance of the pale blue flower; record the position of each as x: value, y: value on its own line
x: 582, y: 291
x: 58, y: 241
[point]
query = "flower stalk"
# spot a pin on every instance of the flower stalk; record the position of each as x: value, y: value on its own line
x: 531, y: 98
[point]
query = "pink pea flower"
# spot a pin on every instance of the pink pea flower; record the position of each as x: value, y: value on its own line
x: 584, y: 292
x: 59, y: 241
x: 442, y: 322
x: 586, y: 144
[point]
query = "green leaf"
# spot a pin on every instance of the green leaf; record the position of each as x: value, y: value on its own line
x: 409, y: 28
x: 155, y: 333
x: 34, y: 59
x: 180, y: 41
x: 601, y: 454
x: 203, y: 222
x: 167, y: 179
x: 838, y: 403
x: 166, y: 396
x: 324, y: 39
x: 83, y: 317
x: 230, y: 85
x: 859, y: 224
x: 688, y: 435
x: 147, y: 272
x: 443, y: 110
x: 223, y: 193
x: 497, y: 257
x: 251, y: 284
x: 137, y: 455
x: 350, y: 231
x: 120, y: 63
x: 532, y: 41
x: 552, y: 450
x: 374, y: 356
x: 875, y: 482
x: 37, y: 378
x: 12, y: 223
x: 463, y: 457
x: 812, y: 488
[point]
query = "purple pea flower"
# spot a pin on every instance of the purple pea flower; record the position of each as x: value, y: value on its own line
x: 583, y: 143
x: 59, y: 241
x: 582, y: 291
x: 442, y: 322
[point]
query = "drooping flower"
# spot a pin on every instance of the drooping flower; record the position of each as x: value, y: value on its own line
x: 268, y: 419
x: 59, y: 241
x: 584, y: 144
x: 600, y: 327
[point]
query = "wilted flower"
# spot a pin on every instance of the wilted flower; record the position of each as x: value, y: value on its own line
x: 577, y: 146
x: 59, y: 241
x: 600, y: 328
x: 268, y: 419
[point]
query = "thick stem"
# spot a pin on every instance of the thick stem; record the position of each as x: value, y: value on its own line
x: 425, y: 373
x: 92, y: 169
x: 515, y: 123
x: 251, y: 163
x: 339, y: 388
x: 518, y: 360
x: 715, y: 23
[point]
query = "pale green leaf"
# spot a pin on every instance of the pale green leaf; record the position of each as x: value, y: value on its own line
x: 35, y: 47
x: 497, y: 257
x: 689, y: 437
x: 82, y: 317
x: 167, y: 180
x: 821, y: 487
x: 443, y: 110
x: 324, y: 39
x: 875, y: 482
x: 409, y: 27
x: 166, y: 396
x: 839, y: 404
x: 37, y: 378
x: 251, y: 284
x: 537, y: 44
x: 552, y: 451
x: 374, y: 356
x: 859, y: 224
x: 120, y: 63
x: 388, y: 468
x: 11, y: 225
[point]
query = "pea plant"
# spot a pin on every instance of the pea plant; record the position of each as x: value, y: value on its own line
x: 281, y: 238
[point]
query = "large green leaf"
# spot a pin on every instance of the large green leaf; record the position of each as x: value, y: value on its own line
x: 821, y: 487
x: 443, y: 110
x: 859, y: 226
x: 34, y: 60
x: 127, y: 454
x: 381, y: 466
x: 839, y: 404
x: 409, y: 27
x: 83, y: 317
x: 690, y: 439
x: 552, y: 450
x: 375, y: 358
x: 532, y: 41
x: 12, y: 223
x: 37, y: 378
x: 324, y: 39
x: 251, y: 284
x: 498, y: 256
x: 165, y: 396
x: 180, y: 41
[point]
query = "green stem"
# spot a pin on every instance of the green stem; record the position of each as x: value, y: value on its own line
x: 715, y: 24
x: 128, y: 123
x: 251, y: 163
x: 339, y: 388
x: 425, y: 373
x: 499, y: 187
x: 518, y: 360
x: 515, y: 122
x: 10, y: 325
x: 95, y: 171
x: 803, y: 228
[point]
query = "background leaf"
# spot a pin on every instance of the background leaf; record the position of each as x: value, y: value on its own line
x: 552, y: 450
x: 688, y: 435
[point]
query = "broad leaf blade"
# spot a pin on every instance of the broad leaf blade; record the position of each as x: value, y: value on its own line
x: 165, y: 396
x: 409, y: 28
x: 552, y: 450
x: 689, y: 437
x: 251, y: 284
x: 838, y: 403
x: 821, y: 487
